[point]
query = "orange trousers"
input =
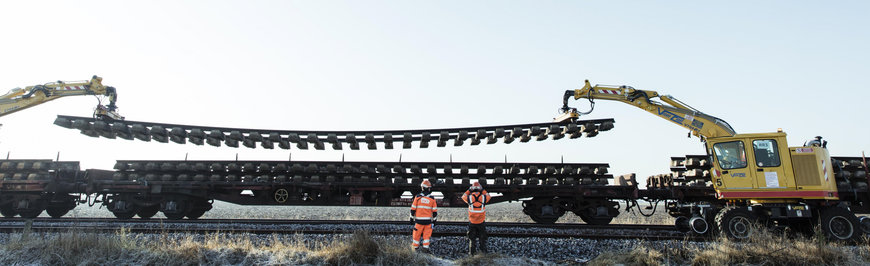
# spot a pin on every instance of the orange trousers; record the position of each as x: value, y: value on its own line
x: 422, y: 233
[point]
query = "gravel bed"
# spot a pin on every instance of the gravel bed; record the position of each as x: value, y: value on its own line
x: 451, y: 248
x: 547, y: 249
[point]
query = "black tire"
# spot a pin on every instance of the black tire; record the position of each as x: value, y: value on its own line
x: 865, y: 224
x: 57, y: 211
x: 146, y: 212
x: 840, y: 224
x: 736, y: 223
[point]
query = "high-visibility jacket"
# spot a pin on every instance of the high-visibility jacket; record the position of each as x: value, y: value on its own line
x: 423, y: 209
x: 476, y: 205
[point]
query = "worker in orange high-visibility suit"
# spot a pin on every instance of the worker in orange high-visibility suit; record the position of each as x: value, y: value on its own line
x: 476, y: 198
x: 423, y: 213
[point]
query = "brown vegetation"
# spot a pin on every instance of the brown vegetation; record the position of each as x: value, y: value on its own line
x: 77, y: 248
x: 764, y: 248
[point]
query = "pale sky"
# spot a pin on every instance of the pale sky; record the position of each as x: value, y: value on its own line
x: 373, y: 65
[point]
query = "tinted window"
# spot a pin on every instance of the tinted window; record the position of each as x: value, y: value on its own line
x: 731, y: 155
x: 766, y: 153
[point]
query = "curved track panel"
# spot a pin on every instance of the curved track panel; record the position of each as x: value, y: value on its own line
x: 337, y: 140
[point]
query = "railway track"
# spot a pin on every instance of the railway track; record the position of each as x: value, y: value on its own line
x: 267, y: 226
x: 651, y: 227
x: 337, y: 140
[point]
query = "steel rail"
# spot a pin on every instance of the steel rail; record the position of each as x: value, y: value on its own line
x: 648, y: 227
x: 269, y: 138
x: 112, y: 228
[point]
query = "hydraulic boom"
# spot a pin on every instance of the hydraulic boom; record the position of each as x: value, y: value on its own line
x: 700, y: 124
x: 19, y: 99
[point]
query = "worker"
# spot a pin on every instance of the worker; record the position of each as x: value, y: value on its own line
x: 424, y: 211
x: 476, y: 198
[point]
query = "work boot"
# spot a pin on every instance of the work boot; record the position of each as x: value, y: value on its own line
x: 472, y: 247
x: 425, y: 250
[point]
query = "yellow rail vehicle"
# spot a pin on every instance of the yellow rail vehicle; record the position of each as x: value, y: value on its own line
x: 759, y: 167
x: 757, y: 177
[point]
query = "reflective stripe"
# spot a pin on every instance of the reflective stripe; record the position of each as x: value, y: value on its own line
x: 424, y: 207
x: 413, y: 206
x: 472, y: 208
x: 416, y: 242
x: 480, y: 211
x: 426, y: 241
x: 423, y: 218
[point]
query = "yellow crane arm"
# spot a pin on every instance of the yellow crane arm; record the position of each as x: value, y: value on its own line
x: 19, y: 99
x: 700, y: 124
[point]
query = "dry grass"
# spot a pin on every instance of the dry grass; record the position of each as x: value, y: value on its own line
x: 363, y: 249
x: 76, y: 248
x: 765, y: 248
x: 496, y: 259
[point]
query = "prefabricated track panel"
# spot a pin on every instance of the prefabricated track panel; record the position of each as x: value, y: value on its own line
x: 337, y: 140
x: 23, y: 169
x: 393, y: 173
x: 361, y: 183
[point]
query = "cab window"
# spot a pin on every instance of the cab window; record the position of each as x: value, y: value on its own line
x: 731, y: 154
x: 766, y: 153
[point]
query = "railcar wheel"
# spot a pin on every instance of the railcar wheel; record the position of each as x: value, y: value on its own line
x: 57, y: 211
x: 146, y: 212
x: 198, y: 209
x: 124, y: 215
x: 123, y: 209
x: 594, y: 220
x: 543, y: 211
x: 174, y: 216
x: 736, y: 223
x: 195, y: 214
x: 30, y: 213
x: 544, y: 220
x: 175, y: 208
x: 8, y: 211
x: 840, y: 224
x: 598, y: 214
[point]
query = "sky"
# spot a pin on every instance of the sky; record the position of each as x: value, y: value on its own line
x: 376, y: 65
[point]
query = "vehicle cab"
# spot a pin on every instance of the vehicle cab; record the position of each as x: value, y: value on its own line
x: 762, y: 166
